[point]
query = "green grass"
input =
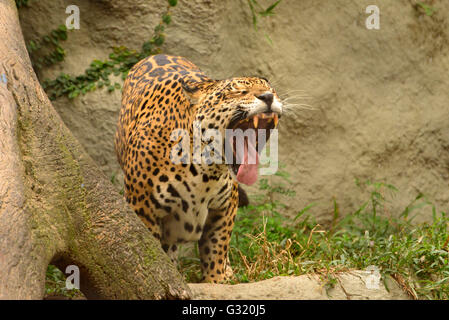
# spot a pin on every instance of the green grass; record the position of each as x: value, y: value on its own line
x: 425, y: 8
x: 265, y: 244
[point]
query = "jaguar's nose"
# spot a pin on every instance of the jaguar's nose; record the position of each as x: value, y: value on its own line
x: 267, y: 98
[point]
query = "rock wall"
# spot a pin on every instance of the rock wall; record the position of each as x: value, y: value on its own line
x: 379, y: 99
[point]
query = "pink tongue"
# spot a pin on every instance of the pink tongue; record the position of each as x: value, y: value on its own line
x: 247, y: 173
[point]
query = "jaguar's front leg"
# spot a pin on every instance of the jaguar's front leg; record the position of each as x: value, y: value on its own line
x: 214, y: 242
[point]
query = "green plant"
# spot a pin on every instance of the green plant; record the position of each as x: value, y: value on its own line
x: 266, y: 244
x: 22, y: 3
x: 257, y: 12
x: 55, y: 284
x: 120, y: 61
x: 427, y: 9
x: 47, y: 50
x: 276, y: 187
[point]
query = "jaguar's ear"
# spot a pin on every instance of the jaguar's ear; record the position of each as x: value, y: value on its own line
x: 194, y: 91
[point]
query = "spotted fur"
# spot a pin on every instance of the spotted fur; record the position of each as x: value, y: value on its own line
x: 180, y: 203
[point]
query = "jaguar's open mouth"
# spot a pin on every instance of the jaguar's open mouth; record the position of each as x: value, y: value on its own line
x: 247, y: 144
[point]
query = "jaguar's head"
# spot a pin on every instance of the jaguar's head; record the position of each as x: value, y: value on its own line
x: 243, y: 111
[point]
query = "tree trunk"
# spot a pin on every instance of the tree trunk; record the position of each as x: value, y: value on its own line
x: 55, y: 204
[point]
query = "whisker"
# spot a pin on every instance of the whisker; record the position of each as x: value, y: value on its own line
x: 296, y: 95
x: 299, y: 106
x: 294, y: 102
x: 296, y: 98
x: 292, y: 91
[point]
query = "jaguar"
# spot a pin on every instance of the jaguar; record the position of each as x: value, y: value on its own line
x: 186, y: 201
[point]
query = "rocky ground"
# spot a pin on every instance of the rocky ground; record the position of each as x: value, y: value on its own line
x: 353, y: 285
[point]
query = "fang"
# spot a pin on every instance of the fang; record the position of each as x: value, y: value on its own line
x: 256, y: 122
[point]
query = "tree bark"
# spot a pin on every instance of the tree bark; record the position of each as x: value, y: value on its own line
x: 55, y: 204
